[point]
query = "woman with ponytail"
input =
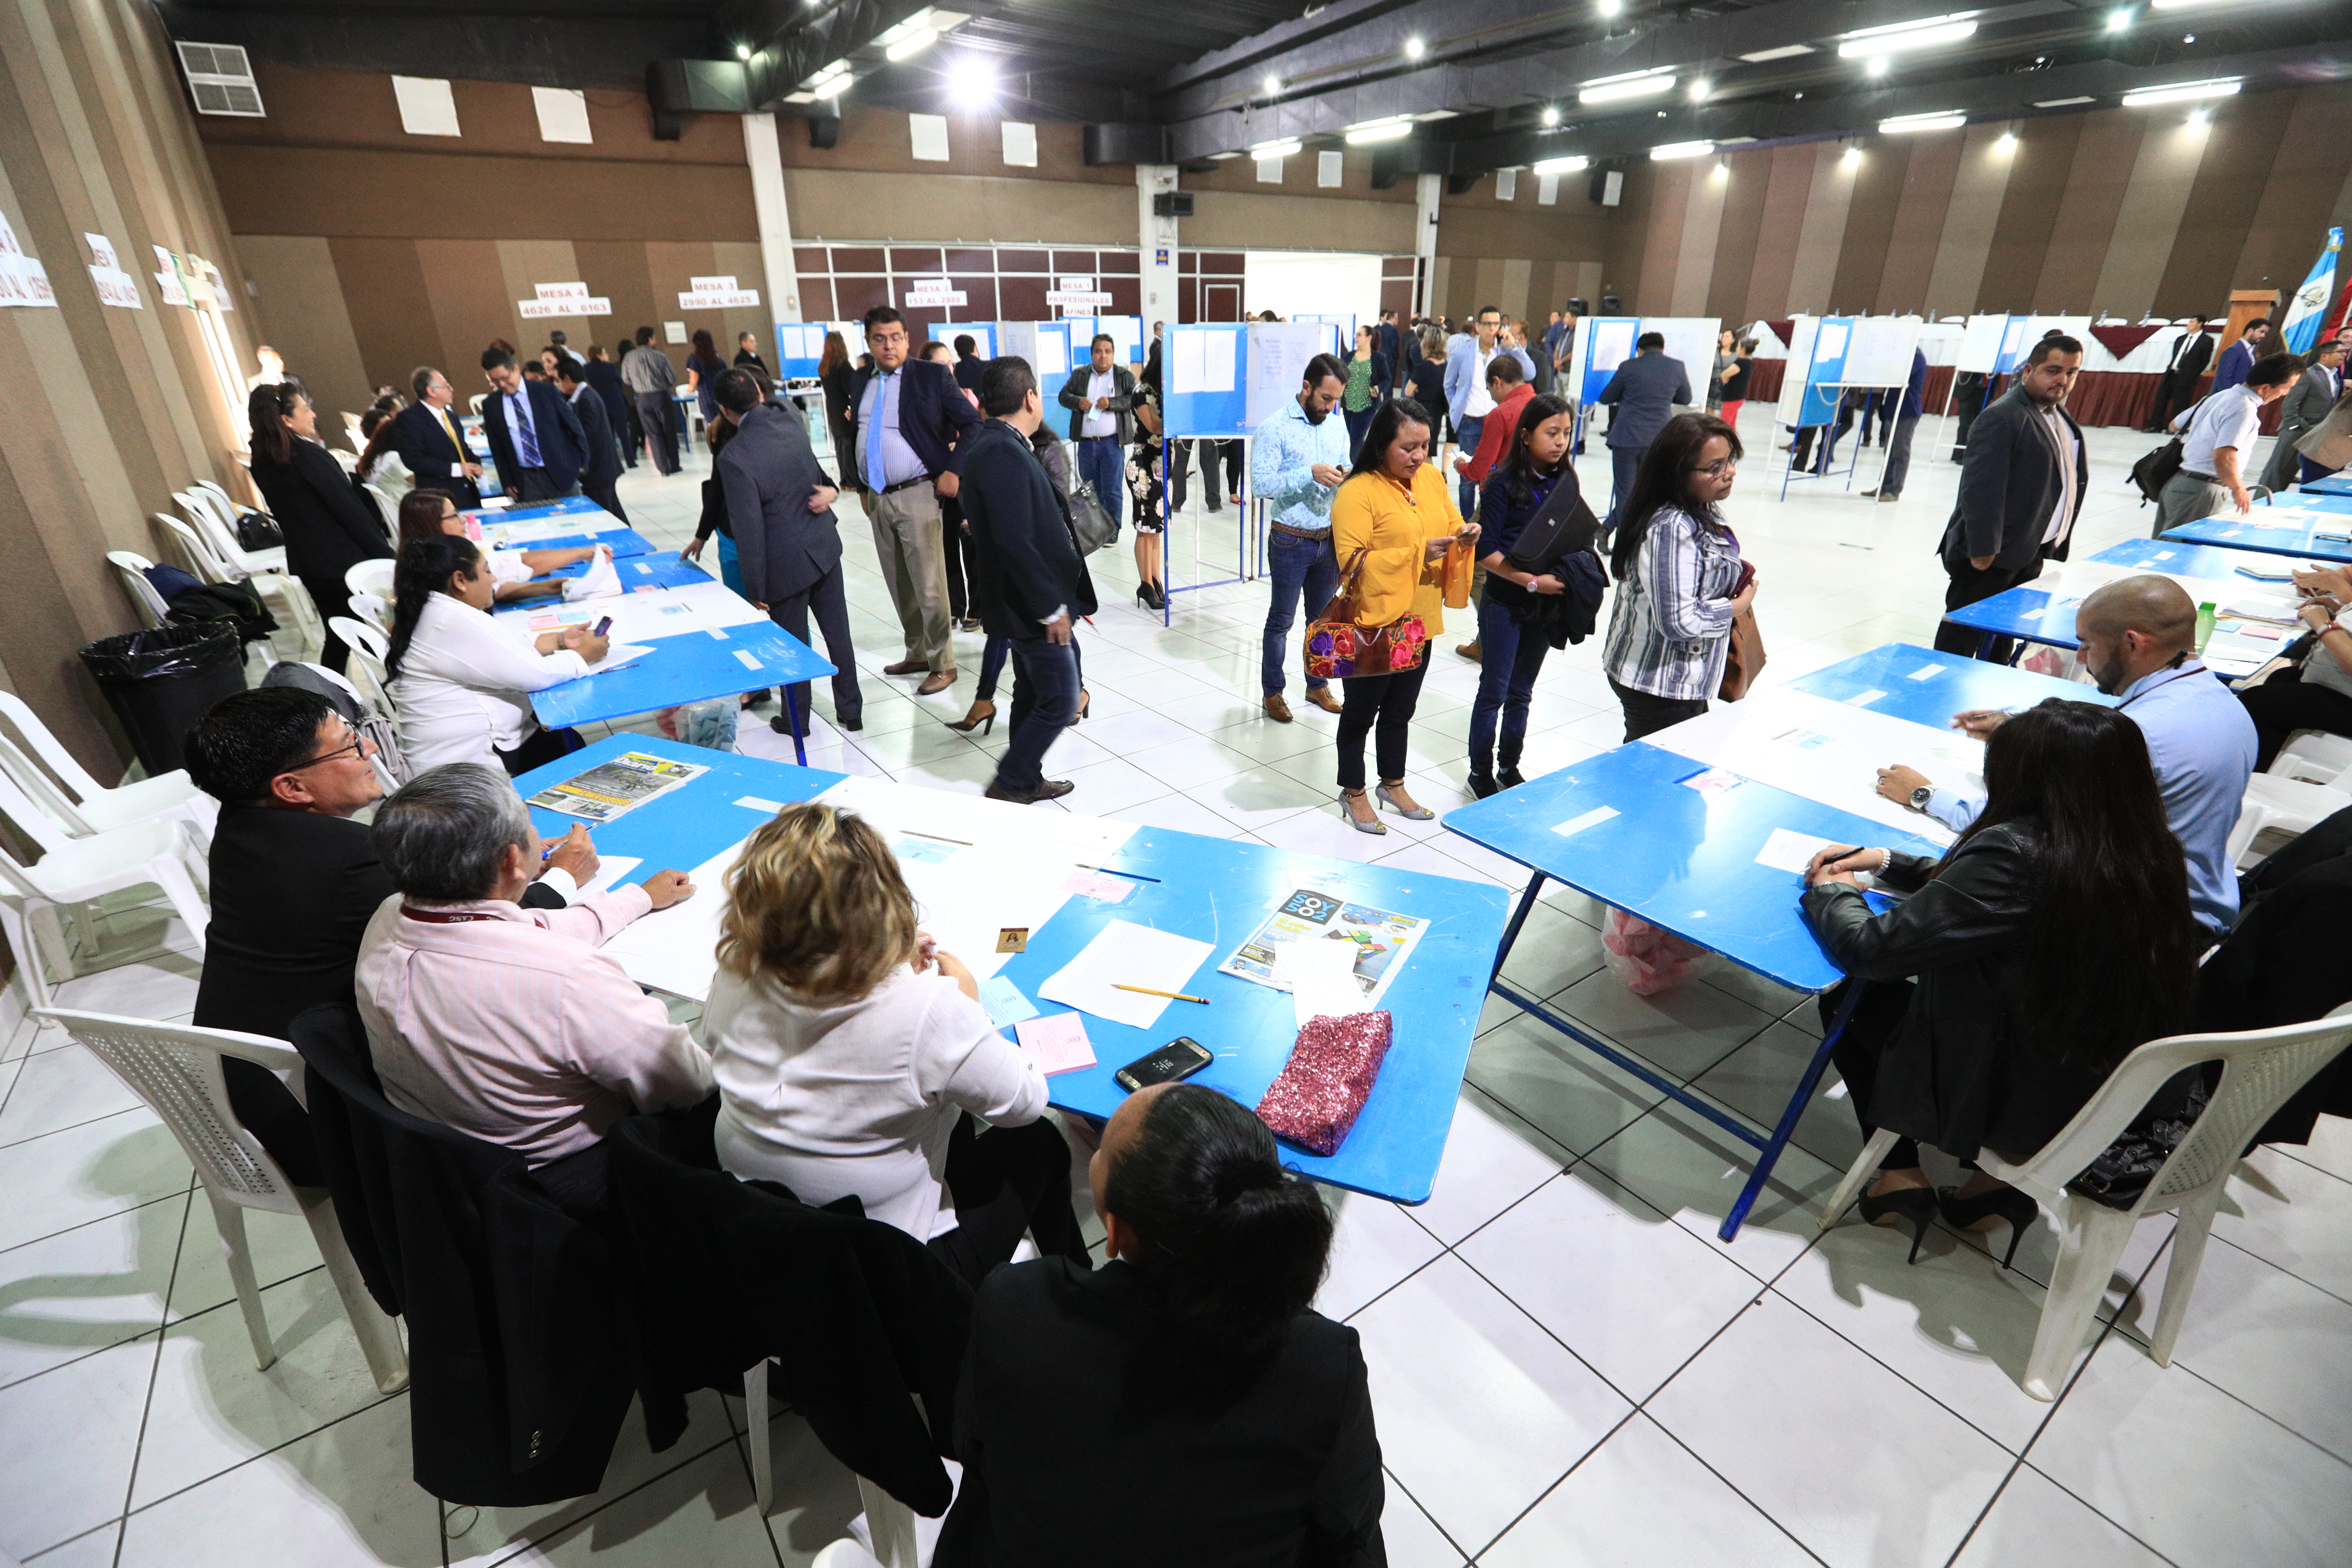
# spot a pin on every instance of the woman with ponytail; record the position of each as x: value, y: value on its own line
x: 329, y: 528
x: 1185, y: 1403
x: 852, y: 1055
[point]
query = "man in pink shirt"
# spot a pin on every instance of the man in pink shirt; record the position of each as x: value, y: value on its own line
x: 504, y: 1023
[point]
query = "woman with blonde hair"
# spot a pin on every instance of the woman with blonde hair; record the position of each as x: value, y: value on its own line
x: 852, y: 1055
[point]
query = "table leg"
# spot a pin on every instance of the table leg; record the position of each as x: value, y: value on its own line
x: 1518, y: 919
x: 793, y: 716
x: 1796, y: 1108
x: 1984, y: 648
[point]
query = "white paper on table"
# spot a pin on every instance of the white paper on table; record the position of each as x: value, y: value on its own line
x: 1217, y: 373
x: 1787, y: 851
x: 1192, y: 363
x: 619, y: 655
x: 1322, y: 979
x: 598, y: 580
x: 610, y: 868
x: 676, y: 949
x: 1123, y: 952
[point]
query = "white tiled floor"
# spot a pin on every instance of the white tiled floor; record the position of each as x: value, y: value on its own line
x: 1568, y: 1366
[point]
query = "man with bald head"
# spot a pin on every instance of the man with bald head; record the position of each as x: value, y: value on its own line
x: 2138, y: 639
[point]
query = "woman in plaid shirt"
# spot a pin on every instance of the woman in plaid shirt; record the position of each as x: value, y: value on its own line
x: 1680, y: 579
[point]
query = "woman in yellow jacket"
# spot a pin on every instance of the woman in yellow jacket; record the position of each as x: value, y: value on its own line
x: 1394, y: 507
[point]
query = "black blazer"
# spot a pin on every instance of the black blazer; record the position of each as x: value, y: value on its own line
x: 932, y: 412
x: 2010, y: 484
x: 767, y: 471
x: 1022, y: 562
x: 1077, y: 1426
x: 424, y: 445
x: 2193, y: 362
x: 329, y: 528
x: 562, y: 445
x: 606, y: 377
x: 2283, y: 964
x: 968, y: 369
x: 604, y: 448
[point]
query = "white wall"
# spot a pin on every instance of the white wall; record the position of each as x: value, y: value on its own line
x: 1315, y: 283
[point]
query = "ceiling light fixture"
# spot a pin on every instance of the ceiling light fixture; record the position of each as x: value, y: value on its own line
x: 1699, y: 88
x: 2184, y: 92
x: 1785, y: 52
x: 742, y: 51
x: 1897, y: 36
x: 2118, y: 20
x: 1609, y: 8
x: 1627, y: 84
x: 2008, y: 143
x: 1674, y: 150
x: 2184, y: 4
x: 1938, y: 120
x: 1722, y: 173
x: 1384, y: 130
x: 1274, y: 84
x: 1852, y: 156
x: 1550, y: 115
x: 2062, y: 102
x: 1414, y: 48
x: 1876, y: 68
x: 2200, y: 117
x: 1282, y: 149
x: 974, y: 78
x: 914, y: 43
x: 833, y: 87
x: 1572, y: 165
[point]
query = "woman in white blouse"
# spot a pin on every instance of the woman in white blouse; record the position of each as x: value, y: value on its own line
x: 852, y: 1055
x: 463, y: 682
x: 429, y: 513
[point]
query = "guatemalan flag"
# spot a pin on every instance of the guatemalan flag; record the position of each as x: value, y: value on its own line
x: 2309, y: 309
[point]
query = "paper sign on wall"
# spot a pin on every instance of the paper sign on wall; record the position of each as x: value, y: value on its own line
x: 673, y: 331
x: 716, y: 294
x: 1077, y: 299
x: 562, y: 299
x: 167, y: 278
x: 218, y: 284
x: 931, y: 293
x: 115, y: 287
x: 22, y: 280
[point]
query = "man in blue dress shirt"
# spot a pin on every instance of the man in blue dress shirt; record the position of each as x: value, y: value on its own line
x: 2139, y: 643
x: 1296, y: 461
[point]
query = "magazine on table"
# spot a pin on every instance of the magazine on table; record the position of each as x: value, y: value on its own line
x: 614, y: 788
x: 1384, y: 940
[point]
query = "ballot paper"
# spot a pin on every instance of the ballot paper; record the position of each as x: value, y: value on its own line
x: 1321, y: 977
x: 599, y: 581
x: 1787, y: 851
x: 1123, y: 952
x: 610, y: 868
x: 1058, y: 1042
x: 1005, y: 1002
x: 675, y: 951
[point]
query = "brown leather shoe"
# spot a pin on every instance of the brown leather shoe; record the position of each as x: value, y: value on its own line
x: 1277, y: 709
x: 1470, y: 650
x: 936, y: 681
x: 1052, y: 789
x: 906, y: 667
x: 1321, y: 697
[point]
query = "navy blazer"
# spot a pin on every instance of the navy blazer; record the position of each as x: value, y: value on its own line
x: 2010, y: 484
x: 1023, y: 563
x: 604, y: 464
x: 562, y: 445
x: 606, y: 377
x: 932, y: 411
x: 767, y: 471
x: 424, y: 445
x: 1646, y: 390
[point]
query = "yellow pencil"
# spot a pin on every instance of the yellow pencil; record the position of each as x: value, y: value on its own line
x: 1148, y: 990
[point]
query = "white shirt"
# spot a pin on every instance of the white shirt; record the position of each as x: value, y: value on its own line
x: 506, y: 566
x: 2231, y: 419
x: 2062, y: 517
x: 1098, y: 421
x: 465, y: 685
x: 1480, y: 402
x: 860, y: 1097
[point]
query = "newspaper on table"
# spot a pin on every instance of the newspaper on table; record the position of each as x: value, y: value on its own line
x: 614, y: 788
x: 1384, y: 940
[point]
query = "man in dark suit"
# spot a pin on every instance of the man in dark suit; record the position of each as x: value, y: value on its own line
x: 427, y: 436
x: 2237, y: 361
x: 787, y: 540
x: 601, y: 471
x: 2304, y: 405
x: 1390, y: 342
x: 1643, y: 392
x: 620, y: 413
x: 2191, y: 352
x: 969, y: 366
x: 905, y: 415
x: 294, y: 882
x: 1027, y: 577
x: 2021, y: 487
x: 535, y: 438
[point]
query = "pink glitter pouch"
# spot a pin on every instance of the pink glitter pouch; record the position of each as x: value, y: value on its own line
x: 1322, y: 1088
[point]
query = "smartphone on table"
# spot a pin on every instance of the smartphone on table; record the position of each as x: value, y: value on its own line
x: 1179, y: 1058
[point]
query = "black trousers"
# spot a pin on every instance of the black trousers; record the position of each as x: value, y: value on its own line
x: 543, y: 484
x: 1878, y: 1018
x: 659, y: 426
x: 334, y: 598
x: 1006, y: 1181
x: 1969, y: 584
x: 541, y: 747
x: 951, y: 543
x: 606, y: 494
x: 637, y: 431
x: 830, y: 600
x: 2286, y: 702
x: 1382, y: 707
x: 1646, y: 714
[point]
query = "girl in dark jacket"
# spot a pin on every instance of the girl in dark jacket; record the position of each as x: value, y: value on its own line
x: 2052, y: 940
x: 1533, y: 469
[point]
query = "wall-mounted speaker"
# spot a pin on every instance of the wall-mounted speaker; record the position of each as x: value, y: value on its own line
x: 1607, y: 187
x: 1172, y: 203
x: 1125, y: 141
x: 825, y: 131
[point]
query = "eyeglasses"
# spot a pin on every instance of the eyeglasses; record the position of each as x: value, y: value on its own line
x: 1720, y: 468
x: 358, y: 747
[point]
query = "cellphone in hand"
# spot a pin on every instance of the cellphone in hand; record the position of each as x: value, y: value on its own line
x: 601, y: 627
x: 1179, y: 1058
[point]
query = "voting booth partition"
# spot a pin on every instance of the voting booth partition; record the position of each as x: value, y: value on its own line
x: 1830, y: 356
x: 1604, y: 342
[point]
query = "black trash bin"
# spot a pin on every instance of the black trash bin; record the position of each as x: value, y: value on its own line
x: 160, y: 682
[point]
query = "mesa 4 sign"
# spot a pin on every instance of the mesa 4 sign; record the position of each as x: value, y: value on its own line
x: 717, y: 294
x: 562, y: 299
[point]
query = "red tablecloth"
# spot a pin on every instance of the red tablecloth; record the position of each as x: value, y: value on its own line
x: 2100, y: 396
x: 2121, y: 341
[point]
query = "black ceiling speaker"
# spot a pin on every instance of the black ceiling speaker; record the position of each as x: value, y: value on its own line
x: 824, y: 131
x: 1172, y: 204
x: 1126, y: 142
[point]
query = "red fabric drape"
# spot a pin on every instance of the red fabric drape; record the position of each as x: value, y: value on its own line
x: 1781, y: 330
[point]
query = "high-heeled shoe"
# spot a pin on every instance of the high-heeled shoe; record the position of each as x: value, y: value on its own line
x: 982, y: 717
x: 1086, y: 701
x: 1147, y: 596
x: 1410, y: 813
x: 1914, y: 1206
x: 2000, y: 1205
x: 1358, y: 823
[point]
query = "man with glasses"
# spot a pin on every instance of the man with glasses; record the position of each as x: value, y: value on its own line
x: 2021, y: 489
x: 1467, y: 359
x: 294, y: 881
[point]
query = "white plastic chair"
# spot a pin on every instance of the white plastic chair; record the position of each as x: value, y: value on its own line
x: 75, y: 873
x: 889, y: 1523
x: 474, y: 403
x: 195, y: 551
x: 176, y: 1070
x: 2313, y: 756
x: 2288, y: 805
x: 371, y: 649
x: 84, y: 805
x: 209, y: 509
x: 131, y: 569
x: 387, y: 507
x: 373, y: 576
x: 2260, y: 1069
x: 373, y: 611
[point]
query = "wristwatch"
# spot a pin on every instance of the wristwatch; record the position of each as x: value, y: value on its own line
x: 1919, y: 797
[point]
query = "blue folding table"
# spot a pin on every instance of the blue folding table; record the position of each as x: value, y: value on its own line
x: 689, y: 667
x: 1624, y: 829
x: 1895, y: 680
x: 2301, y: 539
x: 625, y: 543
x: 2330, y: 485
x: 1214, y: 890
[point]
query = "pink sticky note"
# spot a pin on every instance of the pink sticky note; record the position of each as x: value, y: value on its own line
x: 1099, y: 885
x: 1058, y: 1042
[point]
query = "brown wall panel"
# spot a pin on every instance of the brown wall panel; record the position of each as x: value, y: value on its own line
x: 2299, y: 198
x: 1869, y: 214
x: 1790, y: 184
x: 390, y: 312
x: 2241, y: 150
x: 2086, y: 217
x: 1928, y: 178
x: 1627, y: 239
x: 616, y: 270
x: 300, y: 311
x: 2038, y: 174
x: 1670, y: 198
x: 469, y: 296
x: 1736, y: 236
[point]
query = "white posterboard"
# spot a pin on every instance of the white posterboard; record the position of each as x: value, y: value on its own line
x: 1607, y: 343
x: 1692, y: 340
x: 1278, y: 353
x: 1980, y: 343
x: 1879, y: 354
x: 1802, y: 332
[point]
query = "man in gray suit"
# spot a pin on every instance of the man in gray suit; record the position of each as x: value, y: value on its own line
x: 787, y: 544
x: 2020, y: 489
x: 2302, y: 409
x: 1643, y: 392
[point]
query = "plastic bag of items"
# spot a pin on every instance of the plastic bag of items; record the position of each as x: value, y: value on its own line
x: 709, y: 724
x: 1649, y: 960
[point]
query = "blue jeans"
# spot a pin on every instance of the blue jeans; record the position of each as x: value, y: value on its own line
x: 1298, y: 566
x: 1045, y: 701
x: 1467, y: 432
x: 1100, y: 465
x: 1624, y: 465
x: 1359, y: 421
x: 1513, y: 657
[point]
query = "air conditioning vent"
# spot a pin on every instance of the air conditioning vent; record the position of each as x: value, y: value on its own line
x: 220, y: 79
